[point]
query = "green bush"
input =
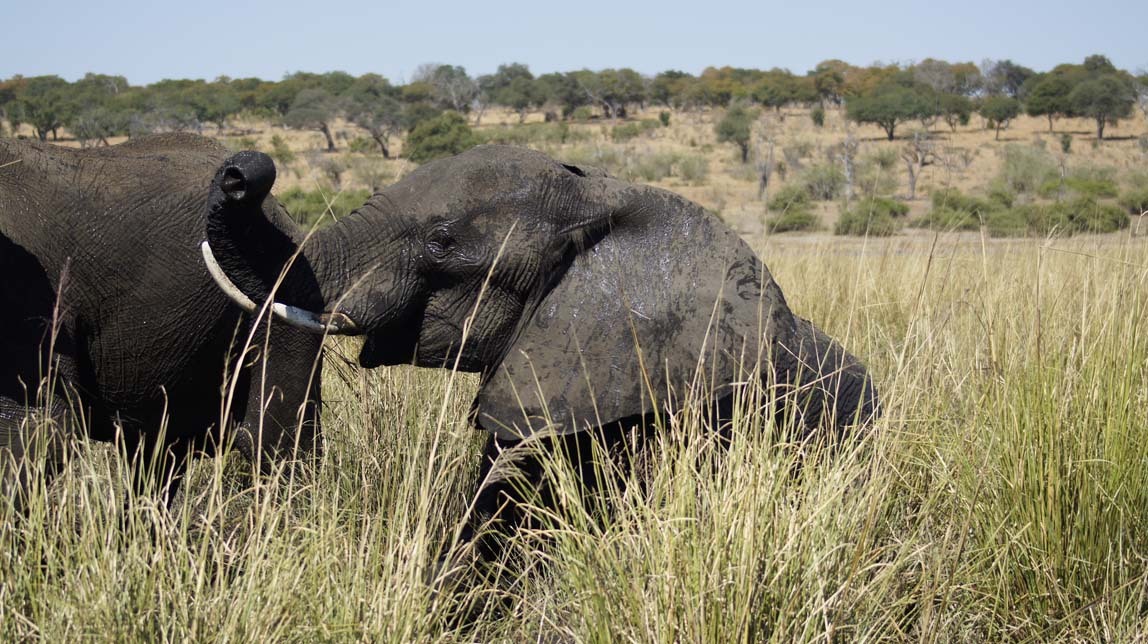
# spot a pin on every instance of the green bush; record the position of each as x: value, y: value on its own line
x: 651, y: 167
x: 791, y: 221
x: 362, y: 145
x: 583, y: 113
x: 825, y: 181
x: 309, y: 207
x: 526, y: 134
x: 793, y: 196
x: 1080, y: 215
x: 1135, y: 201
x: 631, y: 130
x: 280, y: 151
x: 955, y: 211
x: 693, y: 168
x: 664, y: 117
x: 442, y: 136
x: 817, y: 115
x: 875, y: 216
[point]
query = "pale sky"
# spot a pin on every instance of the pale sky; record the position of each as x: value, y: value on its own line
x: 147, y: 40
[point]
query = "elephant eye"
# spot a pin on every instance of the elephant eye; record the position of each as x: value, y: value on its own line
x: 439, y: 245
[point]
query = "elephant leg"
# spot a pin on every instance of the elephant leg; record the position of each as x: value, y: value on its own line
x: 281, y: 419
x: 513, y: 475
x: 29, y: 437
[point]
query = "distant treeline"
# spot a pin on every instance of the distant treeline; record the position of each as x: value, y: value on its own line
x: 99, y: 106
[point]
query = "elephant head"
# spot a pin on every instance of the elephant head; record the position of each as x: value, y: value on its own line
x: 581, y: 299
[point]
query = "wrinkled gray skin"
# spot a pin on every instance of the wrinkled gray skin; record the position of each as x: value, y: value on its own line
x: 583, y: 271
x: 111, y: 236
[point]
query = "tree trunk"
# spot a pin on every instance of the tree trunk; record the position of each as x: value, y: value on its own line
x: 327, y: 133
x: 744, y: 152
x: 382, y: 145
x: 1100, y: 128
x: 1050, y: 122
x: 912, y: 168
x: 889, y: 128
x: 998, y: 134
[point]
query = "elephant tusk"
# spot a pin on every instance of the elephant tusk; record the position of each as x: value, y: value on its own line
x: 330, y: 323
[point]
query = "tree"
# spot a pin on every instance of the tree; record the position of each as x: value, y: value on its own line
x: 671, y: 89
x: 888, y: 106
x: 736, y: 127
x: 562, y: 90
x: 917, y: 154
x: 1105, y: 99
x: 451, y: 87
x: 372, y: 103
x: 1048, y: 97
x: 314, y: 109
x: 513, y: 86
x: 829, y: 80
x: 1005, y: 78
x: 441, y: 136
x: 1000, y: 110
x: 955, y: 109
x: 44, y: 103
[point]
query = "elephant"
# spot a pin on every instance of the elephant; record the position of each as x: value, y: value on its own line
x: 587, y: 304
x: 111, y: 324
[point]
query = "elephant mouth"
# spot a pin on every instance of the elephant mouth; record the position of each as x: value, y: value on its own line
x: 386, y: 349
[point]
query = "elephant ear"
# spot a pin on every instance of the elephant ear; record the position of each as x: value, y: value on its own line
x: 661, y: 301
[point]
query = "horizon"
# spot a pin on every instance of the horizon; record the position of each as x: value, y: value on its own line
x: 364, y: 40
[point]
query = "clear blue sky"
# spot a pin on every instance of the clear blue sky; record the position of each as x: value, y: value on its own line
x: 147, y: 40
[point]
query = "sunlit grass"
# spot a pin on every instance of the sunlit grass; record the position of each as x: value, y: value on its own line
x: 1003, y: 496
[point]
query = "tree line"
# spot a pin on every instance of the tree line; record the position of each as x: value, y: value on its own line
x: 98, y: 107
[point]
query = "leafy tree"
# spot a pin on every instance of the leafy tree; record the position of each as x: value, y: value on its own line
x: 513, y: 86
x: 1105, y: 99
x: 562, y: 90
x: 613, y: 89
x: 829, y: 80
x: 439, y: 137
x: 1005, y: 78
x: 671, y: 88
x: 955, y: 109
x: 1000, y: 110
x: 372, y: 103
x: 314, y: 109
x: 1048, y: 97
x: 888, y: 106
x: 736, y: 127
x: 100, y: 122
x: 43, y: 102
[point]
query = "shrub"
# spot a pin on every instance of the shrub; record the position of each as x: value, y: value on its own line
x: 735, y: 128
x: 583, y: 113
x: 793, y: 196
x: 1065, y: 142
x: 817, y: 115
x: 308, y: 207
x: 1024, y: 169
x: 651, y: 167
x: 693, y: 168
x: 1135, y: 201
x: 955, y: 211
x: 362, y: 145
x: 792, y: 221
x: 1081, y: 215
x: 875, y: 216
x: 527, y: 134
x: 439, y: 137
x: 280, y: 151
x: 825, y: 181
x: 627, y: 131
x: 664, y: 117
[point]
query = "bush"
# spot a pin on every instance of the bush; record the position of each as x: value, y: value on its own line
x: 362, y: 145
x: 817, y: 115
x: 583, y: 113
x: 527, y: 134
x: 309, y: 207
x: 792, y: 221
x: 280, y: 151
x: 793, y: 196
x: 1024, y: 169
x: 1135, y: 201
x: 627, y: 131
x: 442, y: 136
x: 955, y: 211
x: 1081, y: 215
x: 693, y: 168
x: 651, y: 167
x: 825, y: 181
x: 664, y: 117
x: 874, y: 216
x: 1065, y: 142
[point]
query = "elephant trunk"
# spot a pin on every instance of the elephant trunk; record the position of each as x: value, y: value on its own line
x: 250, y: 257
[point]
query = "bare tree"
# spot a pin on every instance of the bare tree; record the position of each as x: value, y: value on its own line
x: 917, y: 153
x: 848, y: 154
x: 764, y: 164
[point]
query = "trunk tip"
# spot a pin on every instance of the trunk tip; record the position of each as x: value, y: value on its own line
x: 246, y: 177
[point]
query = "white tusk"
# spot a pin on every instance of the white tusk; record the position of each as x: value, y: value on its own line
x: 336, y: 324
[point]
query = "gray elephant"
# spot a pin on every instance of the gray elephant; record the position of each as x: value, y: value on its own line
x: 585, y: 302
x: 104, y: 294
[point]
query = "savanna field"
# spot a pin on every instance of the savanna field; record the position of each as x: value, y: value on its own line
x: 1002, y: 496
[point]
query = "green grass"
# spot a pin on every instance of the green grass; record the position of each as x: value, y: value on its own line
x: 1003, y: 496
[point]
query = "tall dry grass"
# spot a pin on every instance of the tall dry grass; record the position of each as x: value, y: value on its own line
x: 1003, y: 496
